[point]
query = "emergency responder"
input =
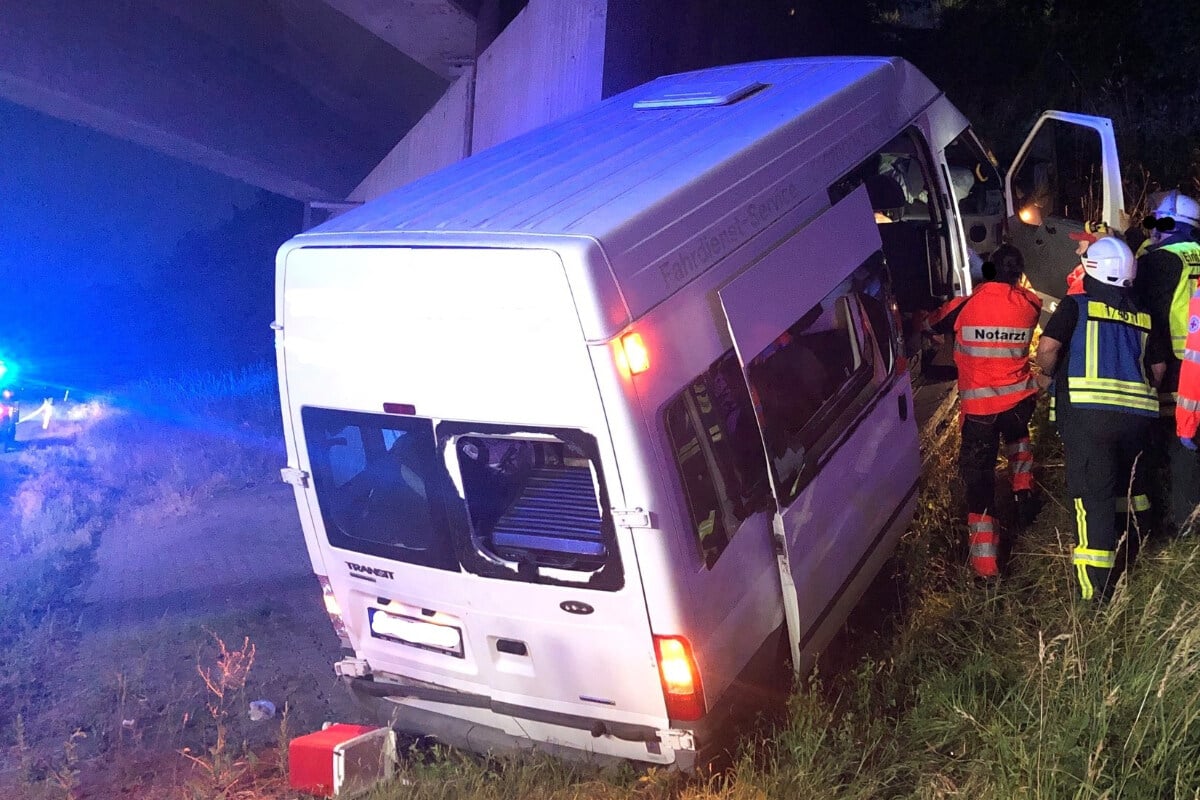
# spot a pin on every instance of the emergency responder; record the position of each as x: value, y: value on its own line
x: 1085, y: 239
x: 993, y: 329
x: 1166, y: 279
x: 1090, y: 233
x: 1187, y: 405
x: 1100, y: 346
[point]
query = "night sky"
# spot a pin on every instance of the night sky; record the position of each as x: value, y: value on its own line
x: 114, y: 258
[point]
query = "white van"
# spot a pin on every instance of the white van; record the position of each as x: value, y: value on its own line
x: 592, y: 432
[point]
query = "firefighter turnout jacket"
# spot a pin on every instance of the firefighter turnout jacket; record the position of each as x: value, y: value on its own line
x: 993, y: 329
x: 1167, y: 277
x: 1187, y: 409
x: 1105, y: 365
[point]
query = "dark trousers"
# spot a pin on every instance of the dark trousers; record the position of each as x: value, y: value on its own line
x: 1180, y: 468
x: 981, y: 437
x: 1101, y: 447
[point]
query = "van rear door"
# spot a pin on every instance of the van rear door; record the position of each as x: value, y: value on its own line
x: 1065, y: 175
x: 814, y: 329
x: 444, y: 403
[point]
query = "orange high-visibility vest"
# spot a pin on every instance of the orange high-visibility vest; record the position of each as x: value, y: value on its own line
x: 992, y: 335
x: 1187, y: 406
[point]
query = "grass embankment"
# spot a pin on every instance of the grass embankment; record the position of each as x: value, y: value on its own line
x: 152, y: 451
x: 1013, y: 690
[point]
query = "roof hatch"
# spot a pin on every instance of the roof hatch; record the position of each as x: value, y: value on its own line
x: 685, y: 94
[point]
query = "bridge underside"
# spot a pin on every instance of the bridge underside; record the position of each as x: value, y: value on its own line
x: 321, y: 100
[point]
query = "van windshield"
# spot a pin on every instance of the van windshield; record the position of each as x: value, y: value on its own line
x: 522, y: 504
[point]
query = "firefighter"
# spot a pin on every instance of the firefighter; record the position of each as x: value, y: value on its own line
x: 992, y: 330
x: 1166, y: 279
x: 1105, y: 357
x: 1085, y: 238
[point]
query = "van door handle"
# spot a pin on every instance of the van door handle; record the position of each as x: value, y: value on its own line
x: 902, y: 402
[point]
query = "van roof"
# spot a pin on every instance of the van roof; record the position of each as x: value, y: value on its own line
x: 652, y: 171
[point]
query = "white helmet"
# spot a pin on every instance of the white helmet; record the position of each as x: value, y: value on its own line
x: 1110, y: 261
x: 1180, y: 207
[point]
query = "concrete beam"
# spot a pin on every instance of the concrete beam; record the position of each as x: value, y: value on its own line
x: 186, y: 86
x: 548, y: 63
x: 440, y: 34
x: 442, y: 137
x: 346, y: 68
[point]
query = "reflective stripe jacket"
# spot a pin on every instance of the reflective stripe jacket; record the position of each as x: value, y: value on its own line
x: 1187, y: 409
x: 1185, y: 287
x: 993, y: 329
x: 1106, y: 359
x: 1166, y: 279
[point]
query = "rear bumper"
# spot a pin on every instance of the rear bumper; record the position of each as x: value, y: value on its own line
x: 481, y: 727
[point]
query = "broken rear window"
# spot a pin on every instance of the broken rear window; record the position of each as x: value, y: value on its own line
x: 535, y: 504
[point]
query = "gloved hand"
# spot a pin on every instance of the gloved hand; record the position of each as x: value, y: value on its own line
x: 1188, y: 442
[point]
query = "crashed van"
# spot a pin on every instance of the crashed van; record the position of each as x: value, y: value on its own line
x: 595, y: 433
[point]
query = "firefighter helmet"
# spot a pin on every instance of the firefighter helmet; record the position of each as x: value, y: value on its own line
x: 1178, y: 206
x: 1110, y: 261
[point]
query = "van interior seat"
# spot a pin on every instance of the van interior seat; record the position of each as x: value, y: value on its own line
x: 555, y: 519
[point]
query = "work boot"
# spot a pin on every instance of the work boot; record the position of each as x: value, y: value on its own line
x: 984, y: 545
x: 1027, y: 505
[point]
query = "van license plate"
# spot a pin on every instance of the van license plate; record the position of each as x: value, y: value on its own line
x: 415, y: 632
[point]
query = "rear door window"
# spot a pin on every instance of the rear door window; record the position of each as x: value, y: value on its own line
x: 375, y: 476
x: 535, y: 504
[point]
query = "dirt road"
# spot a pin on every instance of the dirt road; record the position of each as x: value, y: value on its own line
x: 234, y: 568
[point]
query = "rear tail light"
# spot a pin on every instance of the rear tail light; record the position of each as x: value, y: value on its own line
x: 334, y: 609
x: 680, y: 678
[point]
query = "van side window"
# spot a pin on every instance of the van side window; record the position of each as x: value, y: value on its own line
x: 809, y: 384
x: 718, y: 453
x: 872, y: 284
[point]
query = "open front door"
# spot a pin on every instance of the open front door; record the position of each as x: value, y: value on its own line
x: 1065, y: 175
x: 814, y: 331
